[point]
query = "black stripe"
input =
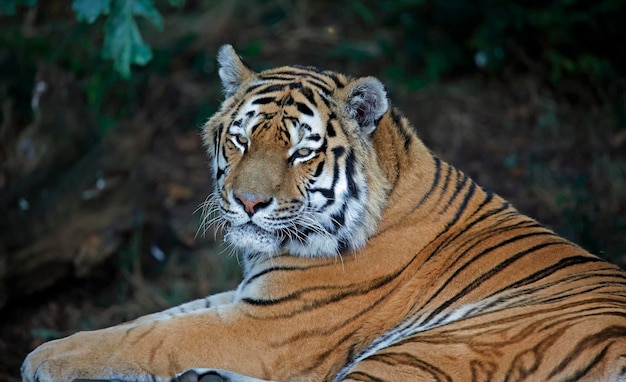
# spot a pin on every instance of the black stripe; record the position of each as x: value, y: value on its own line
x: 314, y: 77
x: 316, y: 81
x: 327, y: 104
x: 332, y: 348
x: 235, y: 110
x: 263, y: 100
x: 304, y: 109
x: 407, y: 359
x: 343, y: 245
x: 268, y: 302
x: 318, y: 170
x: 218, y: 173
x: 344, y: 292
x: 444, y: 187
x: 488, y: 198
x: 545, y: 272
x: 295, y: 85
x: 330, y: 130
x: 520, y: 301
x: 339, y: 219
x: 260, y: 123
x: 407, y: 137
x: 287, y: 100
x: 590, y: 341
x: 329, y: 193
x: 487, y: 275
x: 252, y: 88
x: 520, y: 369
x: 224, y: 151
x: 457, y: 215
x: 581, y: 373
x: 217, y: 139
x: 248, y: 280
x: 461, y: 181
x: 286, y: 78
x: 317, y: 76
x: 362, y: 376
x: 349, y: 320
x: 312, y: 137
x: 328, y: 330
x: 353, y: 190
x: 433, y: 184
x: 463, y: 206
x: 468, y: 227
x: 308, y: 94
x: 338, y: 83
x: 272, y: 88
x: 287, y: 71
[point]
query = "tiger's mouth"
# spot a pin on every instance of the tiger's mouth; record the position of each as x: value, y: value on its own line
x: 255, y: 228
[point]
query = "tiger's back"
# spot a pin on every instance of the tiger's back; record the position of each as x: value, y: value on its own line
x: 367, y: 258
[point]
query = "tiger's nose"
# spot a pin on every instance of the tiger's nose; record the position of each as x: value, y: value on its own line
x: 252, y: 203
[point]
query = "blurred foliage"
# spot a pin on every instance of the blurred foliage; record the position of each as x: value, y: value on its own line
x: 428, y: 40
x: 8, y: 6
x: 555, y: 39
x: 122, y: 39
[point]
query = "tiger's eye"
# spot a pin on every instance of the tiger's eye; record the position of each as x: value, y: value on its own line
x: 241, y: 140
x: 304, y: 152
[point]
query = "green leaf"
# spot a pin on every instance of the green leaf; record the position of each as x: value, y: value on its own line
x: 90, y: 10
x: 122, y: 40
x: 124, y: 45
x: 146, y: 9
x: 8, y: 6
x: 177, y: 3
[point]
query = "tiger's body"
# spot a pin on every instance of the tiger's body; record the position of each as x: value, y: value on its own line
x: 366, y: 258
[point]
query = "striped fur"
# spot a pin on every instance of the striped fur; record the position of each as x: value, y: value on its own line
x: 367, y: 258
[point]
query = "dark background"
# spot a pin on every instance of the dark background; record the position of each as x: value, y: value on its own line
x: 101, y: 177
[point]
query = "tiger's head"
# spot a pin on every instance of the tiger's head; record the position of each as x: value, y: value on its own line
x: 293, y: 161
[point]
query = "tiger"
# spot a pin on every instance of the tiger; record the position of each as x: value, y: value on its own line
x: 365, y: 257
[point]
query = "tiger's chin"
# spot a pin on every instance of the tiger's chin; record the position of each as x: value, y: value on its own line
x: 250, y: 239
x: 253, y: 240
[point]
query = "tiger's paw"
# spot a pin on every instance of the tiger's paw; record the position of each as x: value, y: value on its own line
x: 212, y: 375
x: 79, y: 357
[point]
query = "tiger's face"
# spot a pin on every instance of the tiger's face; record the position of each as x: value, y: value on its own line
x: 291, y: 149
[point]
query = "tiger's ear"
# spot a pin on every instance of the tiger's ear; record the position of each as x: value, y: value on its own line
x: 366, y: 101
x: 233, y: 71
